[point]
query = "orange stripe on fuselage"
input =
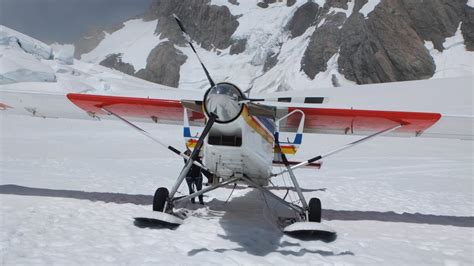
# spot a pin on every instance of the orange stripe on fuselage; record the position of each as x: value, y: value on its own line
x: 285, y: 149
x: 251, y: 121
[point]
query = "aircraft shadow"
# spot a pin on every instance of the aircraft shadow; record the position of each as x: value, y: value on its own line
x: 328, y: 214
x: 249, y: 222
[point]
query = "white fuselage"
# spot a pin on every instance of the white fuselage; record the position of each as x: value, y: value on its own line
x: 243, y: 147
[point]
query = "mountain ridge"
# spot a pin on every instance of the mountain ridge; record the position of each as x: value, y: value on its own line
x: 339, y: 41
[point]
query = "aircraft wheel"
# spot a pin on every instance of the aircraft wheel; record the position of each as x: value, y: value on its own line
x: 314, y: 210
x: 159, y: 200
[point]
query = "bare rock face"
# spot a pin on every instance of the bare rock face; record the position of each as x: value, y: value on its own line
x: 290, y: 2
x: 403, y: 47
x: 389, y: 44
x: 337, y: 3
x: 467, y: 28
x: 324, y: 43
x: 88, y: 42
x: 384, y: 47
x: 115, y: 61
x: 163, y: 64
x: 262, y: 4
x: 361, y: 56
x: 304, y: 17
x: 434, y: 20
x: 238, y: 46
x: 209, y: 25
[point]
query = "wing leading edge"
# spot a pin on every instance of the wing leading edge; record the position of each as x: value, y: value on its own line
x: 363, y: 122
x: 145, y: 109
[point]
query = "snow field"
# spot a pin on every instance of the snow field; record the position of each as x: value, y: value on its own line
x: 62, y: 220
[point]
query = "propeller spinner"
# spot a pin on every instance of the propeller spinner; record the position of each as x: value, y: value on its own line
x: 224, y: 101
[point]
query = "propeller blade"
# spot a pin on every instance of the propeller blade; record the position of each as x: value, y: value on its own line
x: 189, y: 41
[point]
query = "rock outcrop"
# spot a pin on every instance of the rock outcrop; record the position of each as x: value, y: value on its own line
x: 210, y: 26
x: 115, y: 61
x: 388, y: 45
x: 163, y: 65
x: 467, y: 28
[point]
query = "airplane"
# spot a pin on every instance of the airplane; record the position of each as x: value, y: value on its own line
x: 240, y: 141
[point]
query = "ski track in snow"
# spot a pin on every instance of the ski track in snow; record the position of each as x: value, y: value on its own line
x: 78, y: 184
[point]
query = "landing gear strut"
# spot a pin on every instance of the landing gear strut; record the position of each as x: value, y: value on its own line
x: 310, y: 214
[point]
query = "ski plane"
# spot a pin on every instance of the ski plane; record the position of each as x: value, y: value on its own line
x: 240, y: 140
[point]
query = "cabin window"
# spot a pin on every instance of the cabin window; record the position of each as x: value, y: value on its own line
x: 223, y: 140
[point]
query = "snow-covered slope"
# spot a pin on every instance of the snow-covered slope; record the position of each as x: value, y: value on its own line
x: 134, y: 41
x: 40, y: 67
x: 454, y: 61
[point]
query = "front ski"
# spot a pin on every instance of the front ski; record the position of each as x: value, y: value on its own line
x: 155, y: 218
x: 309, y: 228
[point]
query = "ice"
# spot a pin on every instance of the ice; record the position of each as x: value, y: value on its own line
x: 18, y: 66
x: 64, y: 53
x: 9, y: 36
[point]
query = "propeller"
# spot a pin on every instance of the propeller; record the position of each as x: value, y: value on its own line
x: 190, y: 42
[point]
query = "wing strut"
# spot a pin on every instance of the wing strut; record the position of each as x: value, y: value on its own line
x: 347, y: 146
x: 169, y: 147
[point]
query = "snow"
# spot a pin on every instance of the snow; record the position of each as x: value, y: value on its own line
x: 61, y: 210
x: 455, y: 60
x: 134, y: 41
x: 21, y: 58
x: 470, y: 3
x: 64, y: 53
x: 9, y: 36
x: 18, y: 66
x: 369, y: 7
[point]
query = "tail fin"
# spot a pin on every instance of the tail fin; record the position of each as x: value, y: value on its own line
x: 289, y: 147
x: 190, y: 140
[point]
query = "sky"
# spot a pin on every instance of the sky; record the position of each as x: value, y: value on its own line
x: 63, y: 21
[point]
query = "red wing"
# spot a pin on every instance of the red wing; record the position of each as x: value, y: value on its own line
x: 145, y: 109
x: 361, y: 122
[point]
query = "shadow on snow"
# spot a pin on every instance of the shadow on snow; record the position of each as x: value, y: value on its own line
x: 240, y: 202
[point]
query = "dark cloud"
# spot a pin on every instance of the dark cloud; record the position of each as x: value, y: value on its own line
x: 64, y: 20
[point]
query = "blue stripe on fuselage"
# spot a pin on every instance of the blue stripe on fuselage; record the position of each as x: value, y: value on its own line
x: 268, y: 123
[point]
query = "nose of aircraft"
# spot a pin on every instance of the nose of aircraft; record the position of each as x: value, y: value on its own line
x: 223, y: 101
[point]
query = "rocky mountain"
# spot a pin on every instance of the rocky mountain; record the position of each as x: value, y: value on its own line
x: 275, y: 45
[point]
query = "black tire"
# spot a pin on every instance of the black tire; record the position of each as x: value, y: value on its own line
x: 160, y: 198
x: 314, y: 210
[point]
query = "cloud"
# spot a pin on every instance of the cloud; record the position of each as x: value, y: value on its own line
x: 64, y: 20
